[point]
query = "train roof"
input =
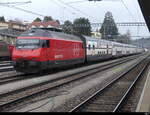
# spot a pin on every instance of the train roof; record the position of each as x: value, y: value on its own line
x: 110, y: 42
x: 42, y: 32
x: 94, y: 39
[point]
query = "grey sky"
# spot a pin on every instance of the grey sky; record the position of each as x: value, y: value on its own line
x: 94, y: 11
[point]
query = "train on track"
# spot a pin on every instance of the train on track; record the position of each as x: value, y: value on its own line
x: 5, y: 50
x: 38, y: 49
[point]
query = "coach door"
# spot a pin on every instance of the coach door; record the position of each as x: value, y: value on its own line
x: 110, y: 49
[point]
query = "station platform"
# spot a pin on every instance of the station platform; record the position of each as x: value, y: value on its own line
x: 144, y: 102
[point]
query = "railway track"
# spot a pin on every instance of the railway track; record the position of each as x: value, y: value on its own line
x: 111, y: 97
x: 9, y: 99
x: 4, y: 62
x: 20, y: 76
x: 12, y: 78
x: 7, y: 68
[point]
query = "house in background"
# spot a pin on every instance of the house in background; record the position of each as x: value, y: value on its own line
x: 47, y: 24
x: 9, y: 31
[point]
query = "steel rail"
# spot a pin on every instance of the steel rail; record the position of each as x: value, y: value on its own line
x: 8, y: 68
x: 4, y: 80
x: 103, y: 88
x: 57, y: 84
x: 3, y: 62
x: 130, y: 89
x: 5, y: 65
x: 18, y: 77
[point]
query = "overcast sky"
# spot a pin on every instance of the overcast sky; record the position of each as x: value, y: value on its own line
x: 122, y: 10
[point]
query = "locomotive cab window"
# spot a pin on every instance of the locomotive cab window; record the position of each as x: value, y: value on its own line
x: 32, y: 43
x: 27, y: 43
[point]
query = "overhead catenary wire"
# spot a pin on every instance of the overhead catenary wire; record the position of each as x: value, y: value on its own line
x: 78, y: 1
x: 68, y: 5
x: 58, y: 6
x: 90, y: 1
x: 21, y: 9
x: 128, y: 10
x: 14, y: 3
x: 62, y: 7
x: 137, y: 10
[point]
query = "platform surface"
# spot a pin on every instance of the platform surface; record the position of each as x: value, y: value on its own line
x: 144, y: 103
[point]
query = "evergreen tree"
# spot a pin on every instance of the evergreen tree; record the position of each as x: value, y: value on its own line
x: 2, y: 19
x: 109, y: 29
x: 82, y: 26
x: 48, y: 18
x: 67, y: 27
x: 37, y: 20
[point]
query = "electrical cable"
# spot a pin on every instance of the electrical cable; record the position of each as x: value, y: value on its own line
x: 16, y: 3
x: 62, y: 7
x: 128, y: 9
x: 17, y: 8
x: 75, y: 9
x: 77, y: 2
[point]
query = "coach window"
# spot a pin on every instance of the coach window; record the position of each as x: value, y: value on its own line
x: 89, y: 47
x: 93, y: 47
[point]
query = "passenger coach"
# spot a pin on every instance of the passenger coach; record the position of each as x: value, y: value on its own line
x: 98, y: 49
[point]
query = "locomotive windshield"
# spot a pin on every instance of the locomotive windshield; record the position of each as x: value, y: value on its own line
x: 28, y: 43
x: 32, y: 43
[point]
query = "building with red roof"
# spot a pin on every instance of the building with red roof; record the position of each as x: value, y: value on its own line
x: 42, y: 24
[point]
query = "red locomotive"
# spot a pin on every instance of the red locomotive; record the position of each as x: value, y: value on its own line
x: 39, y: 49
